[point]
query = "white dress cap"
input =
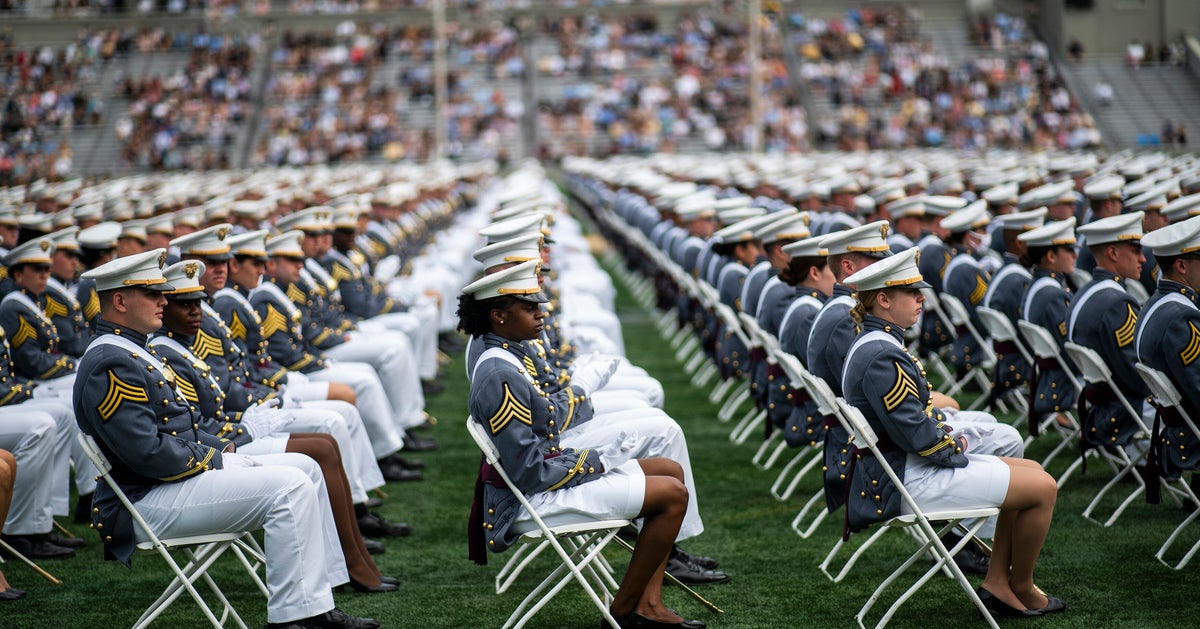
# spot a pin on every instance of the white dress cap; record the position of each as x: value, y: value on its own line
x: 1175, y: 239
x: 286, y: 245
x: 974, y: 216
x: 869, y: 240
x: 184, y: 277
x: 1182, y: 208
x: 1051, y: 234
x: 519, y: 249
x: 520, y: 281
x: 251, y: 243
x: 206, y: 243
x: 807, y: 248
x: 1114, y: 229
x: 36, y: 251
x: 140, y: 269
x: 899, y: 270
x: 1022, y: 221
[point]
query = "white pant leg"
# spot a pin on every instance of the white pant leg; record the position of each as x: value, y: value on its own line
x: 605, y: 402
x: 421, y: 331
x: 65, y: 447
x: 641, y: 434
x: 305, y: 388
x: 364, y: 468
x: 390, y: 354
x: 31, y: 437
x: 335, y: 561
x: 383, y: 427
x: 281, y: 500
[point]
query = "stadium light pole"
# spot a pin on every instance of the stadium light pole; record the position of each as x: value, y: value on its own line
x: 439, y: 78
x: 754, y: 24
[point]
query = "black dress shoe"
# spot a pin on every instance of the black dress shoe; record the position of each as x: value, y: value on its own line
x: 373, y: 503
x: 370, y: 589
x: 38, y: 547
x: 83, y: 510
x: 374, y: 547
x: 699, y: 560
x: 11, y: 594
x: 432, y: 387
x: 65, y: 542
x: 404, y: 462
x: 1002, y: 609
x: 387, y: 579
x: 1053, y: 604
x: 692, y: 574
x: 371, y: 525
x: 634, y: 620
x: 971, y: 559
x: 415, y: 443
x: 332, y: 619
x: 394, y: 473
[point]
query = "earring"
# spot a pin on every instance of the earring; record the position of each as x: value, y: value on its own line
x: 502, y: 322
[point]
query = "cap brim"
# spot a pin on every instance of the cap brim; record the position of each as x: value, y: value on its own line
x: 165, y: 286
x: 188, y: 296
x: 537, y: 298
x: 219, y: 257
x: 920, y: 284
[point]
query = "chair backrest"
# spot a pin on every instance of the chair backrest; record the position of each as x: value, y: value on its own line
x: 1093, y: 367
x: 956, y: 309
x: 1039, y: 339
x: 104, y: 467
x: 998, y: 325
x: 490, y: 452
x: 821, y: 393
x: 92, y: 450
x: 1165, y: 394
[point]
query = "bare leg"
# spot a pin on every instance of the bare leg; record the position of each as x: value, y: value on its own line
x: 341, y: 392
x: 8, y: 474
x: 1020, y: 533
x: 662, y: 512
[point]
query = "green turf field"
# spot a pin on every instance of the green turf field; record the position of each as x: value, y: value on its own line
x: 1108, y: 577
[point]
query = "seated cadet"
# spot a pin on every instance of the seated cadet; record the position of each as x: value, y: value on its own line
x: 8, y: 476
x: 1103, y: 317
x: 502, y: 310
x: 767, y: 265
x: 255, y: 430
x: 61, y: 305
x: 1051, y: 249
x: 942, y: 466
x: 935, y: 257
x: 1168, y: 339
x: 792, y: 409
x: 140, y: 426
x: 963, y: 279
x: 285, y: 342
x: 1005, y: 291
x: 97, y: 246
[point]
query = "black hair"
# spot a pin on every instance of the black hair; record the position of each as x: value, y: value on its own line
x: 798, y: 269
x: 89, y: 256
x: 474, y: 315
x: 1036, y: 255
x: 723, y: 248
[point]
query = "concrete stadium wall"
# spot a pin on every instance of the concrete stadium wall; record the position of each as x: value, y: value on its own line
x: 1110, y: 25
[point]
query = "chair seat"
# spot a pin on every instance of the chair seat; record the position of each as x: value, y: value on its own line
x: 175, y: 542
x: 581, y: 528
x: 909, y: 519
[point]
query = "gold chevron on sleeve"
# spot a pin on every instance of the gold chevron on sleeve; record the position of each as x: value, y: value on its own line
x: 91, y: 309
x: 54, y: 309
x: 119, y: 391
x: 273, y: 322
x: 979, y: 291
x: 1192, y: 351
x: 25, y: 331
x: 236, y: 327
x: 186, y: 388
x: 340, y: 273
x: 572, y: 472
x: 903, y: 388
x: 1124, y: 333
x: 945, y: 262
x: 295, y: 294
x: 945, y: 441
x: 528, y: 362
x: 206, y: 345
x: 510, y: 408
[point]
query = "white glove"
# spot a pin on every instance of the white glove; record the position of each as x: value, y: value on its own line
x: 288, y: 399
x: 593, y: 375
x: 265, y: 419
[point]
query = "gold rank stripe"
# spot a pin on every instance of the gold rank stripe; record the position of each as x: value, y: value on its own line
x: 945, y: 263
x: 186, y: 388
x: 1062, y: 329
x: 119, y: 391
x: 903, y: 387
x: 946, y: 441
x: 1192, y: 351
x: 528, y: 362
x: 571, y: 402
x: 510, y: 408
x: 979, y: 291
x: 54, y: 308
x: 302, y: 363
x: 196, y: 468
x: 340, y: 273
x: 1124, y: 333
x: 25, y: 331
x: 236, y: 328
x: 295, y: 294
x: 12, y: 392
x: 571, y: 474
x: 206, y: 345
x: 91, y: 309
x: 273, y: 322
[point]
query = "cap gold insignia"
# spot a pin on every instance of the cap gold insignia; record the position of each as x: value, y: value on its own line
x: 222, y: 233
x: 45, y: 245
x: 162, y: 259
x: 883, y: 231
x: 917, y: 256
x: 806, y: 218
x: 190, y: 270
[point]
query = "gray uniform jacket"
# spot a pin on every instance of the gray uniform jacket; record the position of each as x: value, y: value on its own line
x: 521, y: 421
x: 33, y: 338
x: 793, y: 409
x: 1045, y: 304
x: 1168, y: 339
x: 67, y: 314
x: 1005, y: 293
x: 833, y: 331
x: 964, y: 280
x: 888, y: 385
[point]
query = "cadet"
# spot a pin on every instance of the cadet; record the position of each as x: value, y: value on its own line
x: 124, y: 398
x: 1004, y: 294
x: 942, y: 466
x: 61, y: 305
x: 1103, y: 317
x: 963, y: 279
x: 1051, y: 249
x: 1168, y: 339
x: 813, y: 281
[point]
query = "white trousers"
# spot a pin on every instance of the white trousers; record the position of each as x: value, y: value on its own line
x: 384, y: 429
x: 640, y: 434
x: 420, y: 326
x: 31, y: 436
x: 276, y: 493
x: 391, y: 355
x: 66, y: 451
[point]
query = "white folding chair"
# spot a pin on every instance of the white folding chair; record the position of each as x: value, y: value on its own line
x: 807, y: 458
x: 1096, y: 372
x: 1001, y: 330
x: 201, y: 552
x: 933, y: 308
x: 920, y: 526
x: 1166, y: 396
x: 960, y: 318
x: 753, y: 335
x: 1046, y: 348
x: 585, y: 556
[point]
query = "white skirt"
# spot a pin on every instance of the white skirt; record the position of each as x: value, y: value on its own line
x: 617, y: 495
x: 982, y: 483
